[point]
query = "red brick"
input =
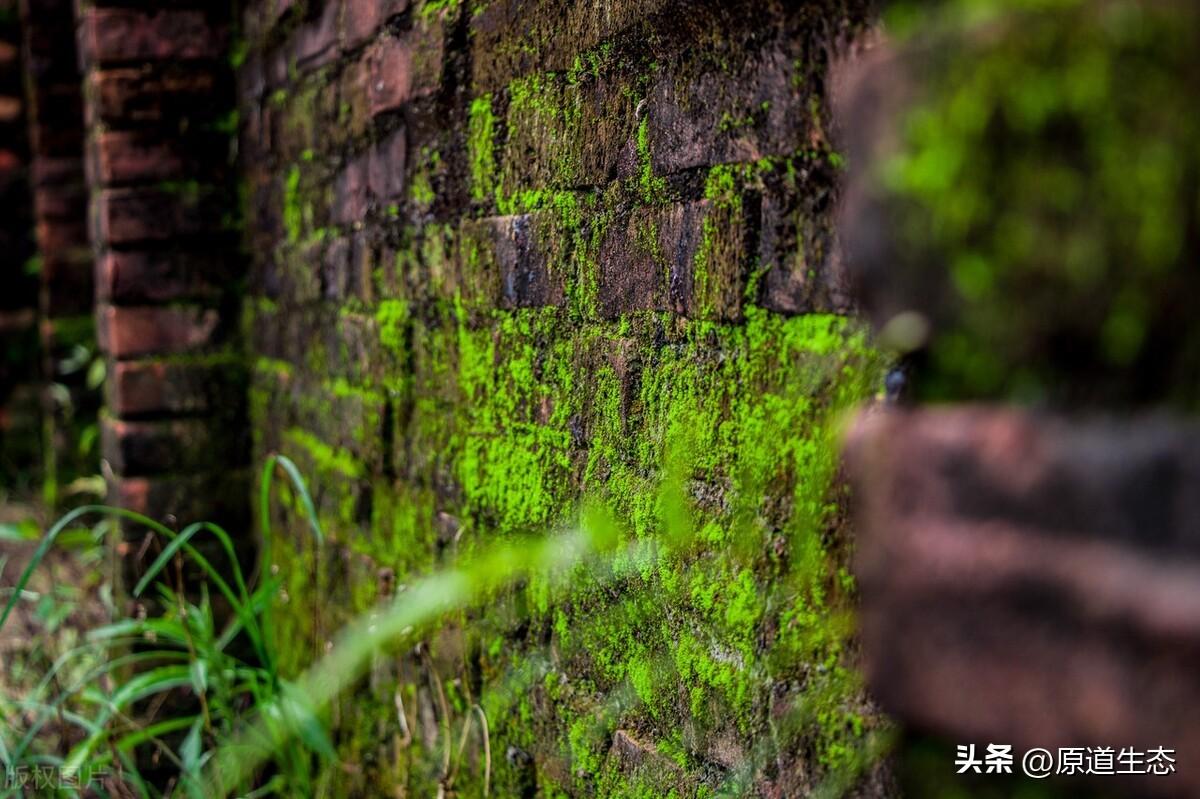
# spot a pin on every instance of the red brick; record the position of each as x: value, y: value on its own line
x: 145, y: 95
x: 183, y: 499
x: 363, y: 18
x: 385, y: 168
x: 151, y: 387
x: 125, y: 34
x: 139, y: 277
x: 61, y: 235
x: 139, y: 331
x: 316, y: 41
x: 127, y: 157
x: 57, y: 171
x: 355, y: 96
x: 61, y: 202
x: 351, y: 192
x: 124, y: 216
x: 390, y: 61
x: 177, y: 446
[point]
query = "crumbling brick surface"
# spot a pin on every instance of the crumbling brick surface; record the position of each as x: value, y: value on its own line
x: 163, y: 224
x: 496, y: 247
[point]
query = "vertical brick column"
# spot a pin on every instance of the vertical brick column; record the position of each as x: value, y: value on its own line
x: 159, y: 115
x: 55, y: 103
x: 19, y: 416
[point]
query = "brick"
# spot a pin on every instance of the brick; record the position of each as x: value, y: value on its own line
x: 720, y: 116
x: 139, y: 277
x: 351, y: 192
x: 138, y: 388
x: 1124, y: 482
x: 525, y: 277
x: 61, y: 203
x: 147, y: 95
x: 179, y: 446
x: 648, y: 262
x: 126, y: 216
x: 386, y: 165
x: 46, y: 171
x: 60, y: 235
x: 390, y: 61
x: 183, y: 499
x: 363, y: 18
x: 126, y: 34
x: 316, y: 41
x: 803, y: 269
x: 132, y: 156
x: 139, y: 331
x: 355, y: 97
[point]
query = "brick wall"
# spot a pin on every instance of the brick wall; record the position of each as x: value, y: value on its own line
x: 163, y: 215
x: 508, y: 257
x: 59, y: 195
x: 20, y: 419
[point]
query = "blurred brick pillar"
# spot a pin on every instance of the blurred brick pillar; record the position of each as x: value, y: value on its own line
x: 20, y: 422
x: 164, y: 220
x: 68, y: 335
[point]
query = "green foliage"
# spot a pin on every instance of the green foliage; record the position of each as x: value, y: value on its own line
x: 208, y: 666
x: 1047, y: 171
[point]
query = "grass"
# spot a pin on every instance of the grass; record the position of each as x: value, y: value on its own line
x: 187, y: 700
x: 160, y: 693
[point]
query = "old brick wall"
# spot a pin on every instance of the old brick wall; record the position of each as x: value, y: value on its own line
x: 59, y: 198
x: 20, y: 419
x: 158, y: 85
x: 511, y: 256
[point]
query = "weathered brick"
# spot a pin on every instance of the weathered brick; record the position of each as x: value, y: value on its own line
x: 181, y: 446
x: 390, y: 63
x: 316, y: 41
x: 131, y: 156
x: 127, y: 278
x: 525, y: 277
x: 45, y: 171
x: 803, y: 270
x: 61, y: 203
x: 403, y: 67
x: 183, y: 499
x: 363, y: 19
x: 351, y: 192
x: 126, y: 216
x: 649, y: 262
x: 720, y: 117
x: 386, y: 165
x: 127, y: 34
x: 138, y: 331
x: 145, y: 95
x: 137, y: 388
x: 355, y: 98
x: 59, y: 235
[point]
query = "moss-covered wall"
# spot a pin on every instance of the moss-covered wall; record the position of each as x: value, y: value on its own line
x: 514, y: 259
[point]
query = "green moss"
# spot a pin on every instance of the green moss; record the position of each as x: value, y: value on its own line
x: 480, y: 138
x: 392, y: 319
x: 653, y: 188
x: 1051, y: 169
x: 293, y: 216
